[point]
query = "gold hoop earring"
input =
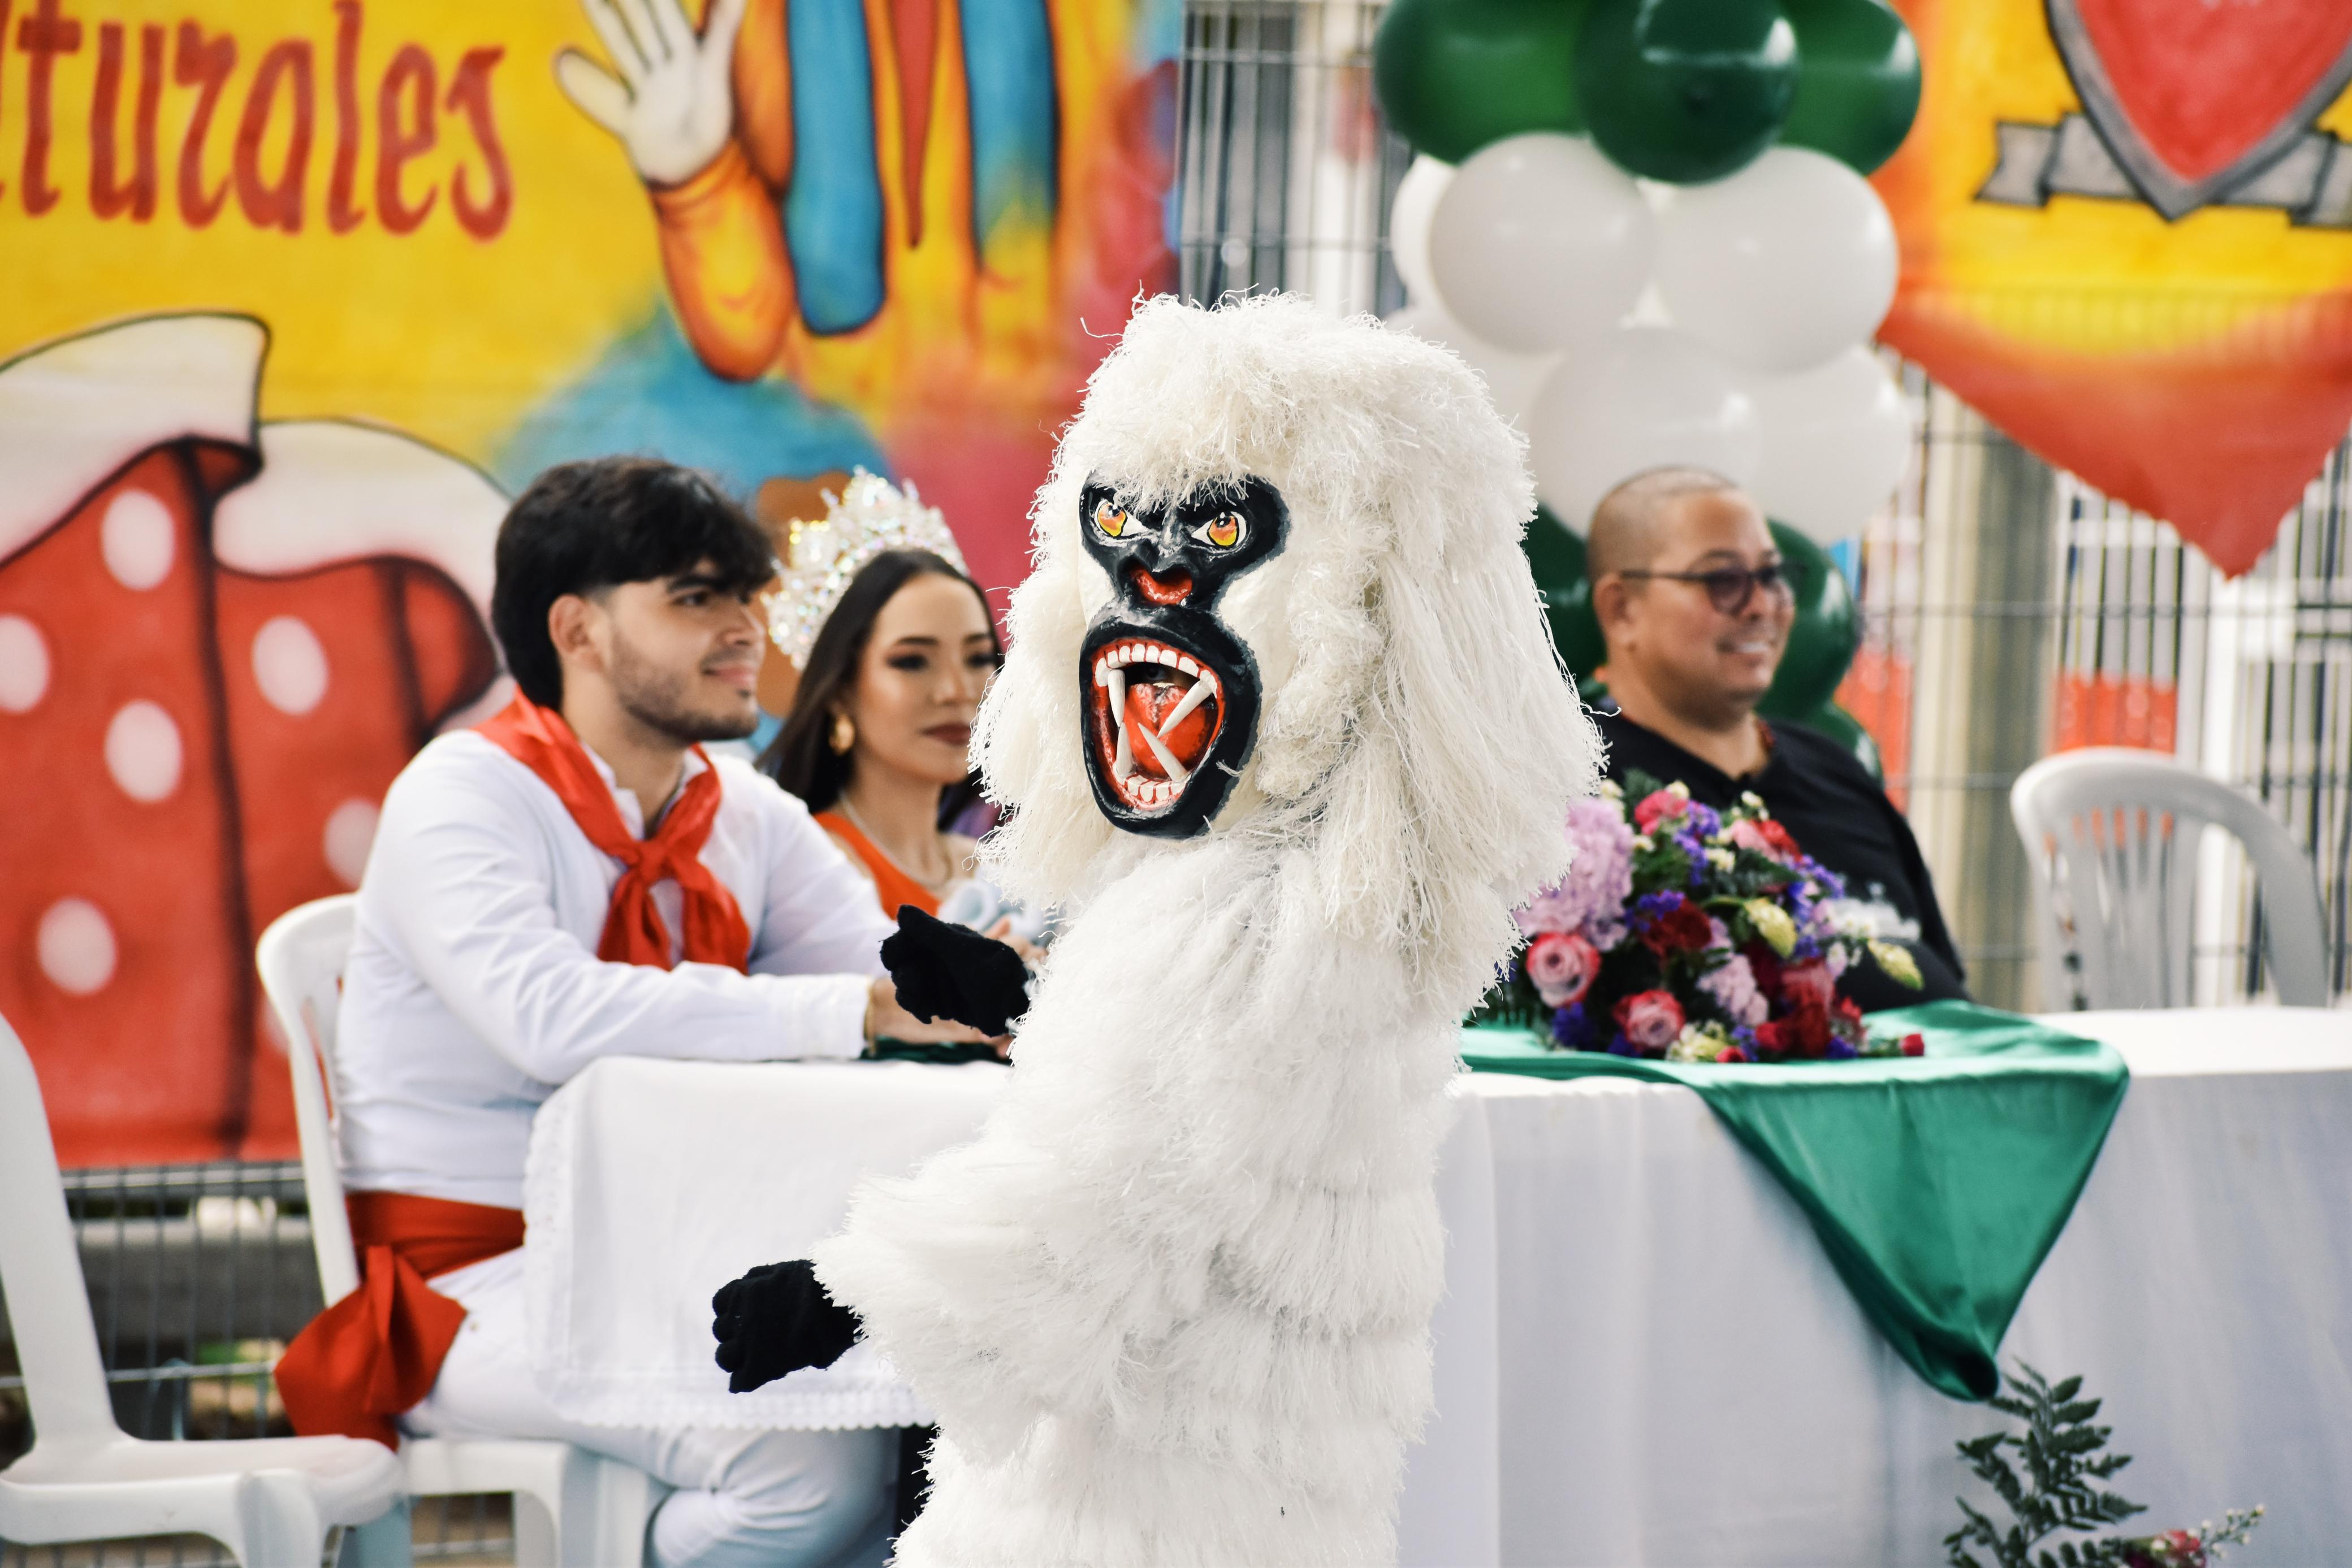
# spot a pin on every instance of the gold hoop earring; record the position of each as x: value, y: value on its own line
x: 844, y: 736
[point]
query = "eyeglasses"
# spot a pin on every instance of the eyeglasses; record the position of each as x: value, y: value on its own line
x: 1729, y: 588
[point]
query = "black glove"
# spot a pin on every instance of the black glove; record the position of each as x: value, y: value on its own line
x: 774, y: 1320
x: 946, y: 971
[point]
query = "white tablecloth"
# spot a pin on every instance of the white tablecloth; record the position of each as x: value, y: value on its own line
x: 1643, y: 1356
x: 651, y: 1184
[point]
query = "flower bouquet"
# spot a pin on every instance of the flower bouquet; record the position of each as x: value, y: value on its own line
x: 1694, y: 935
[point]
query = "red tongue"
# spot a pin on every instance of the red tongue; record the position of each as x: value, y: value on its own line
x: 1147, y: 707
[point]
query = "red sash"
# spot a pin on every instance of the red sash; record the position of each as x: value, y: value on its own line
x: 375, y: 1353
x: 634, y: 932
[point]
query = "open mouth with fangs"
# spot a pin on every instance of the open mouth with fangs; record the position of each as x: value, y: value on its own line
x: 1154, y: 712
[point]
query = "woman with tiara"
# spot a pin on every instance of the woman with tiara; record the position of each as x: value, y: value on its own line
x: 895, y: 646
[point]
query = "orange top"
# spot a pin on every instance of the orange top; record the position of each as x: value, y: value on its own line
x: 893, y: 886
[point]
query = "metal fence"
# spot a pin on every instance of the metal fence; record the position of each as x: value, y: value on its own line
x: 198, y: 1274
x: 2008, y: 610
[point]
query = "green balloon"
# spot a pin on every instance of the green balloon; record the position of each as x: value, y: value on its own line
x: 1555, y: 556
x: 1686, y: 91
x: 1823, y: 636
x: 1455, y: 74
x: 1857, y: 80
x: 1846, y: 730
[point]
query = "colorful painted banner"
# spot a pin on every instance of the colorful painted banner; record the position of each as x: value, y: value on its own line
x: 298, y: 291
x: 2127, y: 231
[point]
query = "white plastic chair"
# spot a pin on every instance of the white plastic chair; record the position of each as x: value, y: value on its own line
x: 573, y: 1508
x: 2113, y: 835
x: 272, y: 1501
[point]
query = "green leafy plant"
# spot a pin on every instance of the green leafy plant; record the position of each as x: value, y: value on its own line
x: 2062, y: 1457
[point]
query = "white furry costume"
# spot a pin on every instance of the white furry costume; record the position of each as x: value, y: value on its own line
x: 1172, y: 1306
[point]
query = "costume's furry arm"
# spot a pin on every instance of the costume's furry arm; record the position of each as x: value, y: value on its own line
x: 1050, y: 1265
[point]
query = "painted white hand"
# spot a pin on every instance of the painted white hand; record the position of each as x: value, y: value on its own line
x: 671, y: 105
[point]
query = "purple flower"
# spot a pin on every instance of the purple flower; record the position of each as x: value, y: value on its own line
x: 1567, y: 1026
x: 1839, y: 1049
x: 1652, y: 906
x: 1732, y: 984
x: 1620, y: 1046
x: 1599, y: 877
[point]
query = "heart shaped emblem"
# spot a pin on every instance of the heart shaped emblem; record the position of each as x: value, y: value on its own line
x: 2194, y: 98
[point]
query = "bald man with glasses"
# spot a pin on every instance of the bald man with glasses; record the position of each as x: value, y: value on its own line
x: 1694, y: 607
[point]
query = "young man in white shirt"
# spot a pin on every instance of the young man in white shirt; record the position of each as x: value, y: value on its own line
x: 576, y: 879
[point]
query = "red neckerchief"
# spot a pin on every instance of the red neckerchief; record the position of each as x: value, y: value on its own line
x: 633, y: 930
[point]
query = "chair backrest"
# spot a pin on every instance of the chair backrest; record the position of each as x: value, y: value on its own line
x: 2114, y: 834
x: 49, y: 1302
x: 302, y: 961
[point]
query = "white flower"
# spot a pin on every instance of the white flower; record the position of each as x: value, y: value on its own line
x: 1868, y: 917
x: 1722, y: 860
x: 1642, y: 841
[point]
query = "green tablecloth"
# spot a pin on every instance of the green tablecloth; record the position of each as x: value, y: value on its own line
x: 1937, y: 1183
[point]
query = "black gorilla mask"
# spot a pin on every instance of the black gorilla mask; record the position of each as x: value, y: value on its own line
x: 1170, y: 695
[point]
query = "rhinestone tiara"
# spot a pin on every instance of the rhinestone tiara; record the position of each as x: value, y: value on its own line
x: 870, y: 515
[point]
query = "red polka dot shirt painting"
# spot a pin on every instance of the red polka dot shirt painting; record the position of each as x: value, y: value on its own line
x: 220, y: 638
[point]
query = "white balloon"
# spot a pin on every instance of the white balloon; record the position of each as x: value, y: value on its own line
x: 1538, y: 240
x: 1837, y: 438
x: 1410, y: 216
x: 1645, y: 397
x: 1782, y: 266
x: 1512, y: 380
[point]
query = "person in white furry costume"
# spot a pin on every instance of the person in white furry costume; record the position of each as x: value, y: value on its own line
x: 1173, y: 1305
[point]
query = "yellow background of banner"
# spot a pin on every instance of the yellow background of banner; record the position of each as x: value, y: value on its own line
x: 443, y: 335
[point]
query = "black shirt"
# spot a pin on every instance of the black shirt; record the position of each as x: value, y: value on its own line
x: 1837, y: 813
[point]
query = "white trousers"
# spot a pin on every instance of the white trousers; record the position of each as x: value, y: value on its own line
x: 745, y: 1498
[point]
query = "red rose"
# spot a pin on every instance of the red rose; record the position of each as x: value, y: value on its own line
x: 1650, y: 1019
x: 1807, y: 985
x: 1914, y: 1045
x: 1683, y: 928
x: 1765, y: 964
x: 1562, y: 966
x: 1803, y: 1031
x: 1731, y: 1053
x: 1766, y: 838
x: 1657, y: 806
